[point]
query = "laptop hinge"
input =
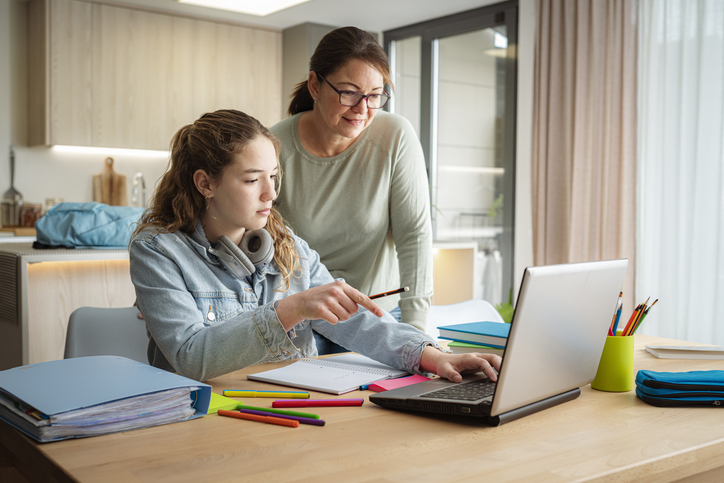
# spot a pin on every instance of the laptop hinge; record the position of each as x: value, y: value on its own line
x: 534, y: 407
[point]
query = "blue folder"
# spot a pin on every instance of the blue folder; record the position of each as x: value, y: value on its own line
x: 64, y: 385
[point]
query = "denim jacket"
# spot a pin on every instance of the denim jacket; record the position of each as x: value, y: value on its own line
x: 204, y: 322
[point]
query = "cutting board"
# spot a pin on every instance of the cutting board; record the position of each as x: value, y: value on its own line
x: 109, y: 187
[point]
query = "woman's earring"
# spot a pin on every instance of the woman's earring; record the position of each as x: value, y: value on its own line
x: 315, y: 99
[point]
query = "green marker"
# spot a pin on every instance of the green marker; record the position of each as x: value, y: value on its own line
x: 279, y: 411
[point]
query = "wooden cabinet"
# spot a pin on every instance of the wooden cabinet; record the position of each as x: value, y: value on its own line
x: 40, y: 289
x: 109, y: 76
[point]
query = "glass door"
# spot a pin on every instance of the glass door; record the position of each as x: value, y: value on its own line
x: 455, y: 81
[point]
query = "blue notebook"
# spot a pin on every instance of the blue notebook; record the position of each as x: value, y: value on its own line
x: 489, y: 333
x: 88, y: 396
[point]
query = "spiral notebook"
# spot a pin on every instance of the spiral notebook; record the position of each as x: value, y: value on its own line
x: 335, y: 375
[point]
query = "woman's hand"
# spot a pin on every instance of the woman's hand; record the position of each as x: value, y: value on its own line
x: 452, y: 366
x: 332, y: 302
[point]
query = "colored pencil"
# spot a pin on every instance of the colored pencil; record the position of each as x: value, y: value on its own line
x: 646, y: 312
x: 630, y: 321
x: 262, y: 419
x: 616, y: 311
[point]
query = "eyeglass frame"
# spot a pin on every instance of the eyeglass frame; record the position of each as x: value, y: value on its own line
x: 366, y: 97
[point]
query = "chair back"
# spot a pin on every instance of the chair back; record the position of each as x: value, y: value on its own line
x: 96, y: 331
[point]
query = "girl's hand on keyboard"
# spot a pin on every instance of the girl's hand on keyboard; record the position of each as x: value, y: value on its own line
x: 453, y: 366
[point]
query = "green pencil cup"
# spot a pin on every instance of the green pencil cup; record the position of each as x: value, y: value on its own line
x: 615, y: 370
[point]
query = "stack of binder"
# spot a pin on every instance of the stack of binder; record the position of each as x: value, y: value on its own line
x: 489, y: 337
x: 89, y: 396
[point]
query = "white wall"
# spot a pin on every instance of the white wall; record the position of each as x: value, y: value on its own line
x: 523, y: 255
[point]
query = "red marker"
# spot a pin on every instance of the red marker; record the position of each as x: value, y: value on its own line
x: 308, y: 403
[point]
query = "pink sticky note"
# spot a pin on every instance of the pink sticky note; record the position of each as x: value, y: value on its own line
x: 388, y: 384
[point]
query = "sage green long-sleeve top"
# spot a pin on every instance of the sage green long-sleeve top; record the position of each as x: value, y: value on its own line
x: 365, y: 211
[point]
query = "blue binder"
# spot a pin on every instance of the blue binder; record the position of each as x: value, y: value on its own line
x: 56, y: 387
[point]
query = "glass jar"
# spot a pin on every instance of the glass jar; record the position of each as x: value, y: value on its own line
x: 29, y: 214
x: 51, y: 202
x: 10, y: 211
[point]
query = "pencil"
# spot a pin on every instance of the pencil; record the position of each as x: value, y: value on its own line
x: 630, y: 321
x: 639, y: 317
x: 646, y: 312
x: 616, y: 310
x: 391, y: 292
x: 618, y: 318
x: 273, y: 394
x: 638, y: 324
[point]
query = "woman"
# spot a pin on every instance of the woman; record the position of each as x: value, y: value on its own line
x: 357, y: 186
x: 218, y: 293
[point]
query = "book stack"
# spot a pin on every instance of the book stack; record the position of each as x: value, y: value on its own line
x: 687, y: 352
x: 489, y: 337
x: 90, y: 396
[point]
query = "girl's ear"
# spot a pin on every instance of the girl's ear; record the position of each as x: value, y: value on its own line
x: 202, y: 181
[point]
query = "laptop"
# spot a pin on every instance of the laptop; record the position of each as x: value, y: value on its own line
x: 559, y: 327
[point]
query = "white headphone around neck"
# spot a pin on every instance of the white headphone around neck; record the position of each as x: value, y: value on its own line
x: 256, y: 250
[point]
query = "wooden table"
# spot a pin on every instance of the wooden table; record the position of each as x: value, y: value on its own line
x: 599, y: 436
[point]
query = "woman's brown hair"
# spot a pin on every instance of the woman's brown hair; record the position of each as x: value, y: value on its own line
x: 212, y: 143
x: 334, y: 50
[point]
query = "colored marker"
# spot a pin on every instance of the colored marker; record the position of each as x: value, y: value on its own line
x: 261, y: 419
x: 391, y: 292
x: 364, y: 387
x: 280, y: 411
x: 317, y: 403
x: 285, y: 394
x: 316, y: 422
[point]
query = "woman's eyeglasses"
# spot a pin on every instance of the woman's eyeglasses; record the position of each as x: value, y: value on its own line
x: 352, y: 98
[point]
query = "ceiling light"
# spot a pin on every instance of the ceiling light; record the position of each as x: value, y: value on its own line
x: 251, y: 7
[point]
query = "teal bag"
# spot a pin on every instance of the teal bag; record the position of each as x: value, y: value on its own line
x: 676, y: 389
x: 87, y: 225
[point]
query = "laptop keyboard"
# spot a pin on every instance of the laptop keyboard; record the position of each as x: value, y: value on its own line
x: 469, y: 391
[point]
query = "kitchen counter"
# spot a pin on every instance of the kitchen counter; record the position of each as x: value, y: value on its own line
x: 25, y: 249
x: 40, y: 288
x: 10, y: 238
x: 17, y: 235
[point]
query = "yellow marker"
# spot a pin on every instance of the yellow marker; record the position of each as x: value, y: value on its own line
x: 281, y: 394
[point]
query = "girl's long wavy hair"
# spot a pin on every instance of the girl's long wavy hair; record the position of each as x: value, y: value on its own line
x: 212, y: 143
x: 334, y: 50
